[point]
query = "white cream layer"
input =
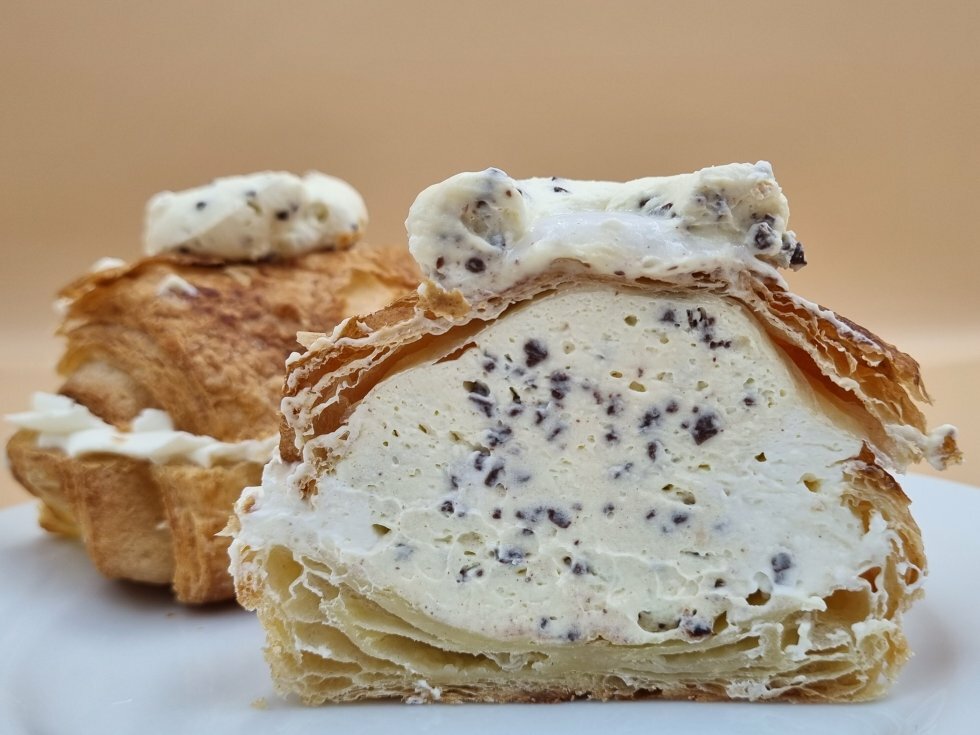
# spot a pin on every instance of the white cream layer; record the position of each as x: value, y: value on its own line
x: 255, y: 216
x: 483, y: 232
x: 596, y: 465
x: 64, y: 424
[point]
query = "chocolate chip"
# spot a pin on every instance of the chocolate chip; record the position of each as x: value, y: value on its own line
x: 282, y: 215
x: 672, y: 407
x: 477, y: 387
x: 652, y: 451
x: 573, y: 634
x: 476, y: 265
x: 498, y: 435
x: 454, y: 481
x: 668, y: 317
x: 200, y: 205
x: 447, y: 507
x: 748, y: 401
x: 534, y: 352
x: 611, y: 436
x: 615, y: 404
x: 704, y: 428
x: 543, y: 623
x: 560, y: 190
x: 555, y: 432
x: 485, y: 405
x: 650, y: 418
x: 651, y: 514
x: 719, y: 583
x: 496, y: 514
x: 492, y: 475
x: 798, y: 259
x: 559, y: 518
x: 679, y: 517
x: 559, y: 385
x: 609, y: 509
x: 695, y: 627
x: 479, y: 459
x: 440, y: 262
x: 764, y: 237
x: 643, y: 202
x: 781, y: 562
x: 511, y: 555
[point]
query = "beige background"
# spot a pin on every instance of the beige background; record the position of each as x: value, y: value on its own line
x: 868, y: 110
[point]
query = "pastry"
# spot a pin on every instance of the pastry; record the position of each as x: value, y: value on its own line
x: 173, y: 368
x: 602, y: 452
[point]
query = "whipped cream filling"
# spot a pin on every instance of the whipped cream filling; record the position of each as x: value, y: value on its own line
x: 483, y: 232
x: 256, y: 216
x: 596, y: 464
x: 65, y: 424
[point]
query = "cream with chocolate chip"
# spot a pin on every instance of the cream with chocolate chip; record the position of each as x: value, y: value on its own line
x: 483, y: 232
x: 603, y: 452
x: 256, y: 216
x: 674, y: 411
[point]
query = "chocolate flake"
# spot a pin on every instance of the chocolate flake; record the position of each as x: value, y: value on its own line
x: 781, y: 562
x: 476, y: 265
x: 652, y: 448
x: 559, y: 518
x: 650, y: 418
x: 493, y: 474
x: 704, y: 428
x: 511, y: 555
x: 534, y: 352
x: 447, y: 507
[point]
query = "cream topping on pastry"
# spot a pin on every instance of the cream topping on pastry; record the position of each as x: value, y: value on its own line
x: 483, y: 232
x: 65, y: 424
x: 256, y: 216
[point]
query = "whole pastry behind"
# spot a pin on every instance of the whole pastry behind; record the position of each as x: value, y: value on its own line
x: 173, y: 366
x: 604, y: 451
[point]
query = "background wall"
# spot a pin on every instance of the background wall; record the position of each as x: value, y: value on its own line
x: 868, y: 111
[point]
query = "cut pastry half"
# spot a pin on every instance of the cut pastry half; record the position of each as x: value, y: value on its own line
x: 173, y: 369
x: 603, y: 452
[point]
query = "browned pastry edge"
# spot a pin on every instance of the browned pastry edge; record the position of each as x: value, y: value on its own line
x: 214, y: 362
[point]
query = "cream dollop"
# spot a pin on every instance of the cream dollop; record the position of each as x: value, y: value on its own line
x: 483, y: 232
x: 64, y: 424
x: 256, y: 216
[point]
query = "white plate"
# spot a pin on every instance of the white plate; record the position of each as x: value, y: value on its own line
x: 80, y: 654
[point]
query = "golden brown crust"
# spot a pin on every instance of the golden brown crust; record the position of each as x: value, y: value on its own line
x: 213, y: 360
x: 177, y: 349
